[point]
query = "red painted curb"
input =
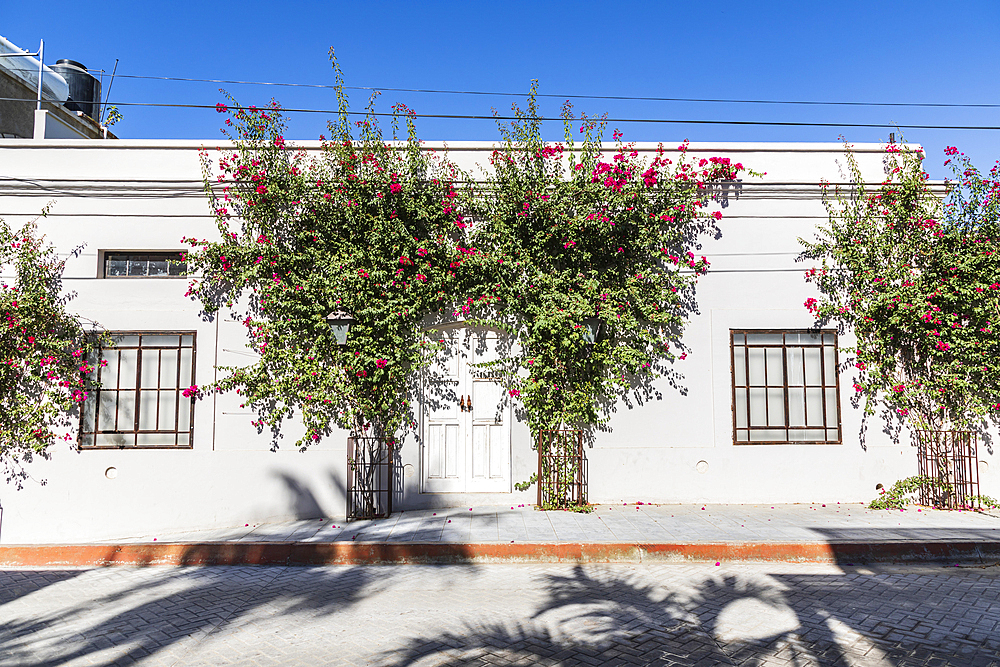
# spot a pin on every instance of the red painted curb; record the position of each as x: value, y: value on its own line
x: 371, y: 553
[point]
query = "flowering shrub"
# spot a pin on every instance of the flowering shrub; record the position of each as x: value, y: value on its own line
x: 904, y: 491
x: 918, y: 281
x: 573, y: 233
x: 368, y: 227
x: 45, y: 357
x: 380, y: 230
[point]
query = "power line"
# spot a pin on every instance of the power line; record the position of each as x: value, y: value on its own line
x: 677, y: 121
x: 579, y: 97
x: 686, y: 272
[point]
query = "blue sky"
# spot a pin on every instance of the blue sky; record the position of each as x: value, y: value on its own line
x: 857, y: 51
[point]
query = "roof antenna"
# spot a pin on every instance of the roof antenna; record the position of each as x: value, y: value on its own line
x: 104, y: 107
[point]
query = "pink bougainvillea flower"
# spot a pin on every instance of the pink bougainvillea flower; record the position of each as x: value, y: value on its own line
x: 190, y: 391
x: 381, y: 363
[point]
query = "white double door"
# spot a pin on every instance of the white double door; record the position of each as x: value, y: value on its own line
x: 464, y: 419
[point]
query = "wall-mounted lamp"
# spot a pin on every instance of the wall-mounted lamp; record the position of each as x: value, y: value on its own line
x: 591, y: 330
x: 340, y: 323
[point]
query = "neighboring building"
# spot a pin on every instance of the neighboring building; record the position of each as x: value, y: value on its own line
x: 762, y: 413
x: 70, y: 99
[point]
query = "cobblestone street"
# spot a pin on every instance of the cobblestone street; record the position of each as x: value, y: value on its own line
x: 645, y: 614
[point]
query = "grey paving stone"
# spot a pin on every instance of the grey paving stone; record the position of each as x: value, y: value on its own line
x: 658, y: 614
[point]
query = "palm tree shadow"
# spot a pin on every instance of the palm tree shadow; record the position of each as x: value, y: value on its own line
x: 594, y: 616
x: 18, y: 583
x: 753, y: 622
x: 174, y: 605
x: 590, y: 617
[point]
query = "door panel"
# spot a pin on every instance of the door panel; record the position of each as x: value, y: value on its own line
x: 486, y: 404
x: 465, y: 450
x: 480, y: 451
x: 435, y: 451
x: 442, y: 448
x: 488, y: 455
x: 444, y: 452
x: 453, y: 455
x: 499, y: 465
x: 489, y: 430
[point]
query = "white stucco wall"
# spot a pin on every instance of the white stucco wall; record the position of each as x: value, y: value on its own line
x: 118, y: 195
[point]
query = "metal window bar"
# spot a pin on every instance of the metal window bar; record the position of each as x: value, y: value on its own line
x: 186, y: 340
x: 826, y: 346
x: 562, y: 468
x: 951, y: 458
x: 369, y: 478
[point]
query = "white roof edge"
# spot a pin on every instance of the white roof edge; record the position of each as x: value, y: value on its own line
x: 644, y: 146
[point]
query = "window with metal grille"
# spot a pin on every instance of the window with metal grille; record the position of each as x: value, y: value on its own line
x: 785, y: 387
x: 139, y: 400
x: 166, y: 264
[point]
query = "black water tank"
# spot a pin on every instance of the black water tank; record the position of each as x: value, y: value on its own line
x: 84, y: 88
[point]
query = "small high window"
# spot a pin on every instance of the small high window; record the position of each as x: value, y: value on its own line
x: 143, y: 264
x: 785, y: 387
x: 139, y: 400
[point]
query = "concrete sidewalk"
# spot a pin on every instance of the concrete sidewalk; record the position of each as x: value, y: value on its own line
x: 612, y: 533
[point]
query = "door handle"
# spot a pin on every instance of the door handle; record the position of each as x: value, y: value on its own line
x: 469, y: 404
x: 462, y: 404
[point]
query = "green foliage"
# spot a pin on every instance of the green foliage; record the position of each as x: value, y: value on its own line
x: 524, y: 486
x: 576, y: 234
x: 986, y: 502
x: 919, y: 284
x: 377, y: 229
x: 44, y: 351
x: 114, y: 116
x: 367, y: 226
x: 579, y: 240
x: 586, y: 508
x: 901, y: 493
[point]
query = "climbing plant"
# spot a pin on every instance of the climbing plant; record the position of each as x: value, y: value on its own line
x: 366, y: 225
x: 44, y: 351
x: 558, y: 234
x: 917, y: 280
x: 905, y: 491
x: 584, y: 237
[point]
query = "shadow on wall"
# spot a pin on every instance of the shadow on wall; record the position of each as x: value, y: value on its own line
x: 303, y: 501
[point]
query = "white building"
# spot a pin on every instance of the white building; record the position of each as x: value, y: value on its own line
x: 130, y: 200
